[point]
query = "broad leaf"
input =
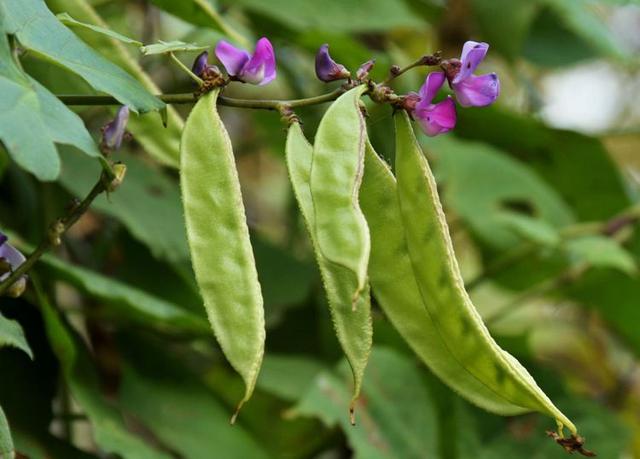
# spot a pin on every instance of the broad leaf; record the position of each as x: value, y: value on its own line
x: 109, y: 429
x: 337, y: 15
x: 11, y: 334
x: 32, y: 119
x: 66, y: 19
x: 397, y: 417
x: 601, y: 252
x: 186, y: 417
x: 40, y: 31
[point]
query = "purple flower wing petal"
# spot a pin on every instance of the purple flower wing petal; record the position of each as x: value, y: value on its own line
x: 114, y: 131
x: 233, y: 59
x: 472, y: 54
x: 12, y: 255
x: 477, y: 91
x: 261, y: 68
x: 430, y: 88
x: 437, y: 118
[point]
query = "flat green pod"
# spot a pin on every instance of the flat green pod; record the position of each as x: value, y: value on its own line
x: 483, y: 372
x: 336, y: 173
x: 353, y: 328
x: 219, y: 243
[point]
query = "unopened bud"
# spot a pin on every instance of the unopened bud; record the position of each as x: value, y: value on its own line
x: 327, y: 69
x: 113, y: 133
x: 119, y: 171
x: 363, y: 71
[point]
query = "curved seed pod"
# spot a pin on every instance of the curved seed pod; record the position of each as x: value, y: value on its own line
x: 470, y: 357
x: 353, y: 328
x: 336, y: 172
x: 219, y: 241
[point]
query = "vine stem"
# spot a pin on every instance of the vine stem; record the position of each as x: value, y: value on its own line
x: 61, y: 225
x: 429, y: 60
x: 187, y: 98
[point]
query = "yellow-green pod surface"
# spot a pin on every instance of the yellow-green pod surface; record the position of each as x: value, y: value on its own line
x: 219, y: 240
x: 336, y: 173
x: 463, y: 352
x: 353, y: 328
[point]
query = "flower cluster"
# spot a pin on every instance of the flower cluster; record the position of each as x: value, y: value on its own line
x: 470, y: 90
x: 10, y: 260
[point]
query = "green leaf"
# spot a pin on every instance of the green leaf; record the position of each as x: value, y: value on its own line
x: 583, y: 18
x: 6, y: 443
x: 398, y: 419
x: 601, y: 252
x: 337, y: 15
x: 147, y: 203
x: 186, y: 417
x: 109, y: 428
x: 531, y: 229
x: 288, y: 377
x: 480, y: 196
x: 39, y: 30
x: 202, y: 13
x: 66, y: 19
x: 32, y: 119
x: 577, y: 166
x: 505, y: 23
x: 129, y: 302
x: 160, y: 142
x: 11, y: 334
x: 170, y: 47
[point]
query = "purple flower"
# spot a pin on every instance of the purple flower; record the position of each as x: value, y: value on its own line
x: 10, y: 260
x: 260, y: 68
x: 472, y: 90
x: 327, y: 69
x: 114, y: 131
x: 434, y: 118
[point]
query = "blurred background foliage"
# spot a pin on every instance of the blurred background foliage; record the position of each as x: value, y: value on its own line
x: 124, y: 362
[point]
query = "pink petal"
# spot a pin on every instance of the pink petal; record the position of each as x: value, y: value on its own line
x: 437, y: 118
x: 233, y: 59
x: 430, y: 88
x: 477, y: 91
x: 261, y: 68
x: 472, y: 54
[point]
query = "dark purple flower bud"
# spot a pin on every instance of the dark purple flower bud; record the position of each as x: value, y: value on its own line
x: 200, y: 63
x: 114, y: 131
x: 363, y: 71
x: 10, y: 260
x: 471, y: 90
x: 259, y: 68
x: 327, y: 69
x: 435, y: 118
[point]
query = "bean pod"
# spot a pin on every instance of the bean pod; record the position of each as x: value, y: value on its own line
x: 353, y: 328
x: 219, y: 242
x: 336, y: 173
x: 463, y: 352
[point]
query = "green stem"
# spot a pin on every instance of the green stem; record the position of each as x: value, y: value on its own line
x: 56, y: 230
x: 222, y: 25
x: 432, y: 60
x: 186, y: 69
x: 264, y: 104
